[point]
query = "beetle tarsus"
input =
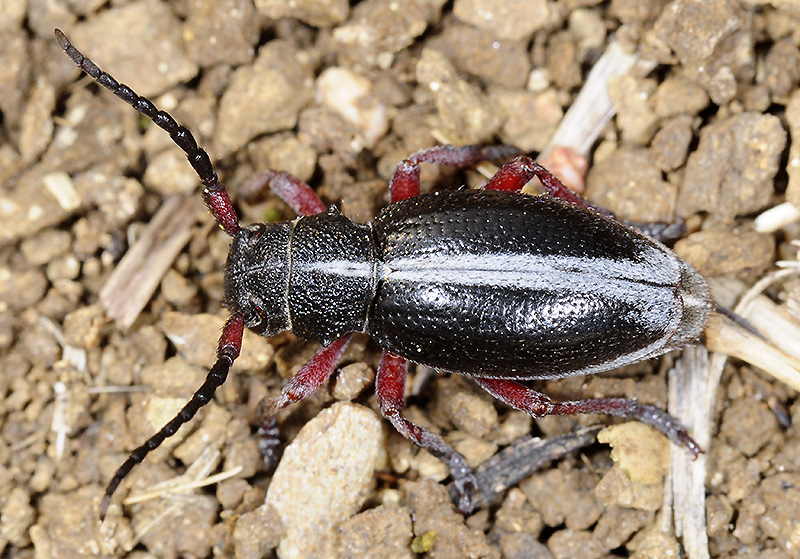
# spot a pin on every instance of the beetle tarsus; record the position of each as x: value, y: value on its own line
x: 622, y: 407
x: 466, y: 488
x: 666, y: 232
x: 269, y: 443
x: 684, y: 439
x: 464, y: 481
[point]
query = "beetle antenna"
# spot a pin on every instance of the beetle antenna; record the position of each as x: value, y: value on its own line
x: 230, y: 343
x: 738, y: 319
x: 214, y: 194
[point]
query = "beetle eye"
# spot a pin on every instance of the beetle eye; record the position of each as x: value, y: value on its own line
x: 256, y: 233
x: 253, y: 313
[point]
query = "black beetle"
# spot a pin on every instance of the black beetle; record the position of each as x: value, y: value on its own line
x: 489, y: 283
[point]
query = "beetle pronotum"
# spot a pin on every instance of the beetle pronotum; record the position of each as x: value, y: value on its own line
x: 493, y: 284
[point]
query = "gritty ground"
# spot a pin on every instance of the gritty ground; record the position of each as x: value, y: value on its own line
x: 92, y: 362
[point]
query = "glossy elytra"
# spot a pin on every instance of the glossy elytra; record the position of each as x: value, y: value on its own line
x: 493, y: 284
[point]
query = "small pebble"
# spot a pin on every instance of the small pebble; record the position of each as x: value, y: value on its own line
x: 440, y: 528
x: 27, y: 206
x: 470, y: 413
x: 718, y: 252
x: 710, y: 39
x: 168, y: 174
x: 748, y: 425
x: 323, y: 478
x: 655, y: 544
x: 476, y: 52
x: 670, y: 145
x: 265, y: 96
x: 619, y: 490
x: 678, y: 96
x: 567, y: 544
x: 317, y: 13
x: 378, y: 29
x: 351, y: 380
x: 221, y: 31
x: 560, y: 497
x: 733, y: 169
x: 45, y: 246
x: 780, y: 71
x: 641, y: 451
x: 632, y: 100
x: 177, y: 289
x: 16, y: 517
x: 780, y: 492
x: 380, y: 533
x: 629, y: 183
x: 350, y: 95
x: 21, y: 288
x: 531, y: 118
x: 517, y: 515
x: 514, y: 20
x: 465, y: 112
x: 256, y: 533
x: 618, y: 524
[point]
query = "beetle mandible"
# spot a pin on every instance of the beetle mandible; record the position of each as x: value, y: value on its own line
x: 489, y: 283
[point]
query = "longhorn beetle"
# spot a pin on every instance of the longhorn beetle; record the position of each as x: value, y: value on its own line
x: 493, y: 284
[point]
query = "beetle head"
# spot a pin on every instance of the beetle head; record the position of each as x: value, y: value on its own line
x: 257, y: 277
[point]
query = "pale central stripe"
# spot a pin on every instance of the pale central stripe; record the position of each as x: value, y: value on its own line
x: 533, y: 271
x: 344, y: 268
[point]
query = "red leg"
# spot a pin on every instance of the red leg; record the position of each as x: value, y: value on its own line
x: 405, y: 179
x: 517, y: 396
x: 390, y: 383
x: 538, y: 405
x: 306, y: 380
x: 519, y: 171
x: 296, y: 193
x: 230, y: 343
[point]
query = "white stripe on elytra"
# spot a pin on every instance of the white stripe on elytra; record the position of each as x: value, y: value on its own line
x: 531, y: 271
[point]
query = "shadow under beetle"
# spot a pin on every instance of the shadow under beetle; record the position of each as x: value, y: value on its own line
x: 493, y: 284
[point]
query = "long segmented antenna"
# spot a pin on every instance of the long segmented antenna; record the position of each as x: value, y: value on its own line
x: 230, y: 343
x: 214, y: 193
x: 220, y: 206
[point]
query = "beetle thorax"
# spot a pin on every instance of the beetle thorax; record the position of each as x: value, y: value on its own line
x: 333, y: 275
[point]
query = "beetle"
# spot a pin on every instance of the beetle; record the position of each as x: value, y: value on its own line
x: 492, y: 284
